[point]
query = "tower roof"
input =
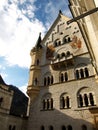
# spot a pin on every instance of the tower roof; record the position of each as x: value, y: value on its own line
x: 38, y: 43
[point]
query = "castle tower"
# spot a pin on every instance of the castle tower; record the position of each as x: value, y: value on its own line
x: 88, y: 24
x: 34, y: 76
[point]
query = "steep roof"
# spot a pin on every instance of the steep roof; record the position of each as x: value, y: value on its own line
x: 38, y: 43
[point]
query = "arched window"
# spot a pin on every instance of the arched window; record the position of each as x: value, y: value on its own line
x: 58, y: 56
x: 48, y: 104
x: 63, y: 127
x: 66, y: 76
x: 59, y: 42
x: 81, y: 73
x: 42, y: 128
x: 51, y: 103
x: 63, y: 55
x: 86, y: 99
x: 69, y: 40
x: 77, y: 74
x: 62, y: 101
x: 1, y: 100
x: 55, y: 44
x: 48, y: 80
x: 91, y: 99
x: 68, y: 53
x: 86, y: 72
x: 45, y: 83
x: 65, y: 40
x: 84, y: 127
x: 67, y: 102
x: 35, y: 82
x: 37, y: 62
x: 69, y: 127
x: 12, y: 127
x: 62, y: 78
x: 44, y: 104
x: 50, y: 127
x: 80, y: 100
x: 51, y: 79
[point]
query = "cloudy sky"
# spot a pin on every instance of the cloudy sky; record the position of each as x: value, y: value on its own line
x: 20, y: 24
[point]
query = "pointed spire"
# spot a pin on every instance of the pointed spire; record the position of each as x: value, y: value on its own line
x: 60, y: 12
x: 38, y: 43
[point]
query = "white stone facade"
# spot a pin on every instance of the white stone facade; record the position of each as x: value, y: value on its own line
x: 62, y: 84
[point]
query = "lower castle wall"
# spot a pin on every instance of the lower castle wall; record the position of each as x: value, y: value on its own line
x: 76, y: 117
x: 9, y: 122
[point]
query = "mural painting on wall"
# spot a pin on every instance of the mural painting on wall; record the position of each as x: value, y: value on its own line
x: 49, y: 52
x: 76, y: 43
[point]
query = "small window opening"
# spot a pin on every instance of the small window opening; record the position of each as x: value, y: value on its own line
x: 81, y: 73
x: 86, y: 72
x: 77, y: 74
x: 80, y: 100
x: 67, y: 102
x: 86, y: 99
x: 66, y: 76
x: 91, y: 99
x: 63, y: 127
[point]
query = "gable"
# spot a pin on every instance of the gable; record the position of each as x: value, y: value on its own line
x: 62, y: 40
x: 55, y: 29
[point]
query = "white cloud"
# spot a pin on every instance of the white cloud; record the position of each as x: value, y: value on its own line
x: 17, y: 34
x: 19, y: 28
x: 2, y: 67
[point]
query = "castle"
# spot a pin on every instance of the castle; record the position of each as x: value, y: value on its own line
x: 63, y: 82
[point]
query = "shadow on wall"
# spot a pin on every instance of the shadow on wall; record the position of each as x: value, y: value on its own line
x: 53, y: 119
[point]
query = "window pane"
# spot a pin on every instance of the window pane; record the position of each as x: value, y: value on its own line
x: 67, y: 102
x: 86, y: 72
x: 86, y: 99
x: 81, y: 73
x: 51, y: 128
x: 62, y: 102
x: 51, y: 103
x: 80, y: 100
x: 44, y: 81
x: 51, y: 79
x: 62, y: 78
x: 48, y: 80
x: 42, y: 128
x: 84, y: 127
x: 66, y: 76
x: 63, y: 127
x: 91, y: 99
x: 69, y: 127
x: 77, y: 74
